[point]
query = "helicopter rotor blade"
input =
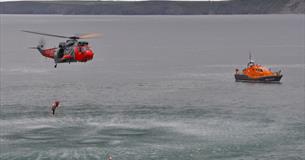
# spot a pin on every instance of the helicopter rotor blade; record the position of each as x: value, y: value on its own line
x: 45, y: 34
x: 89, y: 36
x: 82, y: 36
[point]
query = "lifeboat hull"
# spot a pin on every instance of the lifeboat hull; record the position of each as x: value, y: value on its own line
x: 265, y: 79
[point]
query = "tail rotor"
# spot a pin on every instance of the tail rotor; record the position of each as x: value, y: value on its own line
x: 41, y: 43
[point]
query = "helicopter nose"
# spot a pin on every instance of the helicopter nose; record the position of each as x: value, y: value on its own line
x: 89, y: 54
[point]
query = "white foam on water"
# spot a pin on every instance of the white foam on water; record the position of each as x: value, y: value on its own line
x: 220, y: 129
x: 24, y: 124
x: 56, y: 153
x: 25, y: 70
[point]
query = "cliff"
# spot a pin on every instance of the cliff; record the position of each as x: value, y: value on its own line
x: 154, y: 7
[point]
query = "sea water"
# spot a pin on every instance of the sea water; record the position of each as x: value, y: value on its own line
x: 159, y: 87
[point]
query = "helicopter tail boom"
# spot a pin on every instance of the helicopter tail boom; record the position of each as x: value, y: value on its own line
x: 49, y: 53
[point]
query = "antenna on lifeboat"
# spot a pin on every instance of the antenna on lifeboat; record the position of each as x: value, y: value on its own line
x: 251, y: 62
x: 250, y: 56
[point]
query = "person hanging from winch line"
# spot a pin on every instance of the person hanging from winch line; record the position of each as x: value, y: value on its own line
x: 54, y: 106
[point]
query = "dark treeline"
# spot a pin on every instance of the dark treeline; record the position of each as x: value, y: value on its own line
x: 154, y: 7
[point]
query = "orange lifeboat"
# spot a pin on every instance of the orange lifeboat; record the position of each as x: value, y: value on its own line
x: 257, y: 73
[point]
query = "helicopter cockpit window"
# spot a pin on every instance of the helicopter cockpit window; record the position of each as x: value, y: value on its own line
x: 70, y: 43
x: 82, y: 43
x: 83, y: 49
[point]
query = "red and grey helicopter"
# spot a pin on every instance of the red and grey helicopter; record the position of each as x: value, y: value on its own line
x: 70, y: 51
